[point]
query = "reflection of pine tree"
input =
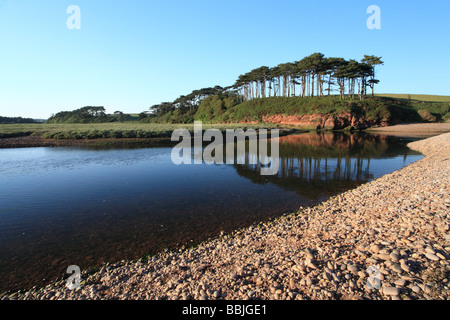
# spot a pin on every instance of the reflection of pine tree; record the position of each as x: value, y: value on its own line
x: 323, y: 164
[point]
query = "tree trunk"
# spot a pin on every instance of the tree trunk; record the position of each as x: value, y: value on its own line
x: 329, y: 84
x: 279, y: 87
x: 303, y: 86
x: 264, y: 88
x: 288, y: 84
x: 318, y: 85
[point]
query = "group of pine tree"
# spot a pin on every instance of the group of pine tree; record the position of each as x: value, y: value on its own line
x: 312, y: 76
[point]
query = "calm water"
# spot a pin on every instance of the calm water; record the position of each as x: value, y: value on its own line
x: 64, y: 206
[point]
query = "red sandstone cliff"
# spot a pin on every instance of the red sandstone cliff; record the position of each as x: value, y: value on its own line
x: 326, y: 121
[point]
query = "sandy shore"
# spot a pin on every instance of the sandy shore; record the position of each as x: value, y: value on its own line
x: 387, y: 239
x: 418, y: 130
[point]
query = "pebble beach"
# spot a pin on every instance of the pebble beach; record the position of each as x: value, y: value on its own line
x: 388, y: 239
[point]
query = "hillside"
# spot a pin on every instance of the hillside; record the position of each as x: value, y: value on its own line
x: 328, y: 112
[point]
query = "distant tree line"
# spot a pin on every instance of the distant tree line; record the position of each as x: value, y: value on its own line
x: 185, y: 107
x: 89, y: 114
x: 7, y: 120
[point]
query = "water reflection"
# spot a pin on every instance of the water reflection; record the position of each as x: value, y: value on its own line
x: 317, y: 165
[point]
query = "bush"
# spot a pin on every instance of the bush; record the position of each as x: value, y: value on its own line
x: 427, y: 116
x: 446, y: 117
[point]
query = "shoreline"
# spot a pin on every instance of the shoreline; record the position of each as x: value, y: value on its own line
x: 415, y: 130
x: 319, y: 253
x: 37, y: 142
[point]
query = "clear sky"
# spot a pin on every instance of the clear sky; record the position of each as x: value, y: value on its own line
x: 129, y: 55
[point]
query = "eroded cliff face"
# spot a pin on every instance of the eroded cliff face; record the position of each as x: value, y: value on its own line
x: 324, y: 121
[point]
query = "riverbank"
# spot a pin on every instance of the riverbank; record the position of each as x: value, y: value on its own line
x: 417, y: 130
x: 398, y: 224
x: 38, y: 141
x: 81, y: 135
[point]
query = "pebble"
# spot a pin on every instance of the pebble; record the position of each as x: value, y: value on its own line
x: 405, y: 267
x: 441, y: 256
x: 371, y: 261
x: 309, y: 255
x: 384, y: 256
x: 353, y: 269
x: 375, y: 248
x: 391, y: 291
x: 416, y: 289
x: 432, y: 256
x: 327, y: 276
x: 394, y: 257
x: 400, y: 282
x: 395, y: 267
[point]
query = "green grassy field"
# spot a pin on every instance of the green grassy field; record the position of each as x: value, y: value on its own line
x: 417, y: 97
x: 431, y: 108
x: 109, y: 130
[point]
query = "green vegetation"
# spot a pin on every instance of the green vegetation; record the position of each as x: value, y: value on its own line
x: 313, y: 74
x: 431, y: 108
x: 416, y: 97
x: 184, y: 108
x: 88, y: 115
x: 254, y: 110
x: 4, y: 120
x: 301, y: 87
x: 298, y: 88
x: 225, y: 109
x: 310, y: 77
x: 107, y: 130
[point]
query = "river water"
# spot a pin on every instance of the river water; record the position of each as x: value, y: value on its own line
x: 88, y: 206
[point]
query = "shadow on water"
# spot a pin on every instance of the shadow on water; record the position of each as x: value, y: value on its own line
x: 64, y: 206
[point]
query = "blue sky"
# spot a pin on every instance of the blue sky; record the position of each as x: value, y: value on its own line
x: 129, y: 55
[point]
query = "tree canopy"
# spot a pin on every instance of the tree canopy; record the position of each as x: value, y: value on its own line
x: 184, y: 108
x: 310, y: 75
x: 89, y: 114
x: 7, y: 120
